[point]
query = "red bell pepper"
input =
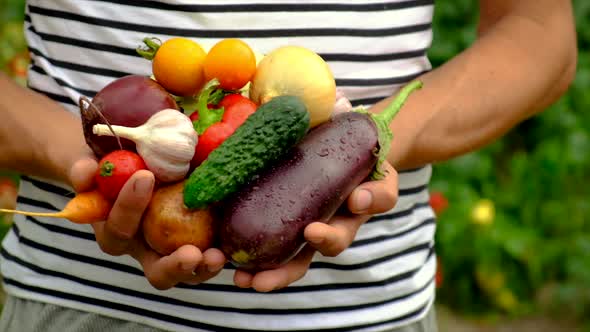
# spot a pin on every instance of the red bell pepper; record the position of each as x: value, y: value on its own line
x: 220, y: 122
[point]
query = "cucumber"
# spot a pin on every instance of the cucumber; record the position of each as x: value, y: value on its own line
x: 263, y: 138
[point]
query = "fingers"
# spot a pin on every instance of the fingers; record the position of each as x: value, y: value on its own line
x: 128, y: 209
x: 367, y: 199
x: 243, y: 279
x: 213, y: 262
x: 374, y: 197
x: 187, y: 265
x: 165, y: 272
x: 115, y: 236
x: 266, y: 281
x: 82, y: 174
x: 332, y: 239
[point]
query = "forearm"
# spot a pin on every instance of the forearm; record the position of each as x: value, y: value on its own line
x: 516, y: 68
x: 37, y: 136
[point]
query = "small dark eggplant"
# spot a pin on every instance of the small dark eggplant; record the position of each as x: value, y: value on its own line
x: 261, y: 226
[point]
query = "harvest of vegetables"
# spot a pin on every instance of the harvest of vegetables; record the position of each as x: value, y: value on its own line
x: 246, y: 150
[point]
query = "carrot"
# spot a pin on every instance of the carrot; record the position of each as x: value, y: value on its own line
x: 84, y: 208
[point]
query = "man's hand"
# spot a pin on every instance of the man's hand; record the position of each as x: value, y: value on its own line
x: 119, y: 234
x: 329, y: 239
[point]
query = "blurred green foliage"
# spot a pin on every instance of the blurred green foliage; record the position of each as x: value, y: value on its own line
x: 12, y: 61
x: 534, y: 254
x: 515, y: 237
x: 12, y: 41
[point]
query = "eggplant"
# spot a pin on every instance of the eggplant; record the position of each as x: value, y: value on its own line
x: 262, y: 224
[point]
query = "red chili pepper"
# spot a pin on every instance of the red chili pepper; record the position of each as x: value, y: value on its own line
x: 236, y: 109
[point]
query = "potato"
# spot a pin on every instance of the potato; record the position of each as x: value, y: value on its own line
x: 167, y: 224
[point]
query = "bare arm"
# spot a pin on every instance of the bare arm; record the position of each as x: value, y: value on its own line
x: 522, y: 61
x: 37, y: 136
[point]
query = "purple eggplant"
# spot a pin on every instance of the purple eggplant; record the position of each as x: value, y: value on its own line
x: 261, y: 226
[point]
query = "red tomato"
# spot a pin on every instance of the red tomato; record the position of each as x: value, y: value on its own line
x: 210, y: 140
x: 115, y: 169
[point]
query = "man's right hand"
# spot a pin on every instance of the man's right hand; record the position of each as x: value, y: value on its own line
x: 119, y: 235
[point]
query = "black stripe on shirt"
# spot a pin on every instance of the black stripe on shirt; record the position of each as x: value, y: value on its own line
x: 117, y: 74
x: 169, y: 300
x: 78, y: 67
x: 238, y: 33
x: 36, y: 203
x: 367, y: 101
x: 48, y: 187
x: 178, y: 320
x: 329, y: 57
x: 348, y: 57
x: 398, y: 214
x: 60, y: 230
x: 228, y: 288
x: 367, y: 264
x: 85, y: 43
x: 358, y: 243
x: 283, y: 7
x: 35, y: 68
x: 411, y: 170
x: 358, y: 82
x: 412, y: 190
x: 53, y: 96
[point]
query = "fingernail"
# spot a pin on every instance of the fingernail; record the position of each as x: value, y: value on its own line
x: 143, y: 185
x: 363, y: 201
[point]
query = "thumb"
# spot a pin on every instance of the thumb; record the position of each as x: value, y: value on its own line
x: 378, y: 196
x: 82, y: 174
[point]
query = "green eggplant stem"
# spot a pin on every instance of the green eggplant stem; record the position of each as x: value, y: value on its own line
x: 391, y: 111
x: 382, y: 121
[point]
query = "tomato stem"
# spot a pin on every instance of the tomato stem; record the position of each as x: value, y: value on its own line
x: 151, y: 48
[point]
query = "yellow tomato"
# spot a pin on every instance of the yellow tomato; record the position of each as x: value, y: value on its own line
x: 178, y: 66
x: 232, y: 62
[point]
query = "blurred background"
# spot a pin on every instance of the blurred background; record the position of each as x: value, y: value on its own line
x: 513, y: 235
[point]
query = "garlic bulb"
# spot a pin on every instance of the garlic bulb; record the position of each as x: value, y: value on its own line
x: 166, y: 142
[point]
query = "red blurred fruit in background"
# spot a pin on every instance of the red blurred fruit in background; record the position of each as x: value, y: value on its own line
x: 438, y: 202
x: 8, y: 193
x: 439, y: 274
x: 18, y: 65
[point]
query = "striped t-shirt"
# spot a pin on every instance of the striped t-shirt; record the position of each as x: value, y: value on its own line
x: 384, y: 280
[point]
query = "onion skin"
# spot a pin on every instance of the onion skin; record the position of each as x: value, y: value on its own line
x: 296, y: 71
x: 128, y: 101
